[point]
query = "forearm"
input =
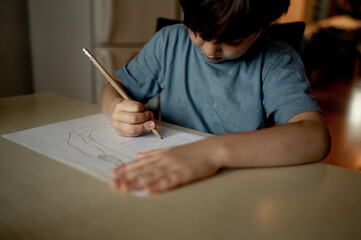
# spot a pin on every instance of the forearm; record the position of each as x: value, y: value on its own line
x: 289, y: 144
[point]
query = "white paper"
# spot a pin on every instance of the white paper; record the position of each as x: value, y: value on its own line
x: 92, y: 145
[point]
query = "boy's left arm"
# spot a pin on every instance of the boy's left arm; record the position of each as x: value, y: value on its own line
x: 303, y: 139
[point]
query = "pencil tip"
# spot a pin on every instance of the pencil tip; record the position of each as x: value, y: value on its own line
x: 155, y: 131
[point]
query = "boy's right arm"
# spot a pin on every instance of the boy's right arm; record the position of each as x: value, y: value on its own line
x: 129, y: 118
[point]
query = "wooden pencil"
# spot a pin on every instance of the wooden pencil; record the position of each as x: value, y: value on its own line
x: 118, y: 88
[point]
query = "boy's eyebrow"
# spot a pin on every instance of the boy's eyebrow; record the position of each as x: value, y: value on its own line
x: 236, y: 42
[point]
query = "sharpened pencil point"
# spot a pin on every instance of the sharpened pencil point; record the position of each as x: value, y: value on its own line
x: 155, y: 131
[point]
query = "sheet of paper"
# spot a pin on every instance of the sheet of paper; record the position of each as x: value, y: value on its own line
x: 92, y: 145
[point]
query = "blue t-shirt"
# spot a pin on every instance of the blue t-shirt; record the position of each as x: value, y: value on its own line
x: 266, y: 85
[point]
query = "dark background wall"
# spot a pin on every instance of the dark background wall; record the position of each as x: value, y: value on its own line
x: 15, y: 64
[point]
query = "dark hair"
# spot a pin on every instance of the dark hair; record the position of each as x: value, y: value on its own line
x: 228, y: 21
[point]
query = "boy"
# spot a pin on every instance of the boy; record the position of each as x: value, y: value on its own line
x: 216, y: 74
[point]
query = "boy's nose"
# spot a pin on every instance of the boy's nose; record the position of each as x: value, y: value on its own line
x: 211, y: 49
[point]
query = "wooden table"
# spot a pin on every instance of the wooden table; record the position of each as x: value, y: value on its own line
x: 41, y: 198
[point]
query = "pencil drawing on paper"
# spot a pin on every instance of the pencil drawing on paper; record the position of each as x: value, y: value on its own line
x: 92, y: 144
x: 85, y: 141
x: 95, y: 142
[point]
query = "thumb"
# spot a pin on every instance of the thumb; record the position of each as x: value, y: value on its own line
x: 149, y: 125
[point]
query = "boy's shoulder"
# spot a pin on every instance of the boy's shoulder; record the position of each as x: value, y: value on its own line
x: 178, y: 28
x: 273, y: 47
x: 173, y: 36
x: 268, y: 51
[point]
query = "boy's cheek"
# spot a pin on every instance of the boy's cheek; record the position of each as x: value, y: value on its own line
x: 233, y: 54
x: 198, y: 45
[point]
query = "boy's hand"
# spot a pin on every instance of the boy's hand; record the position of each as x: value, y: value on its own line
x: 131, y: 118
x: 160, y: 170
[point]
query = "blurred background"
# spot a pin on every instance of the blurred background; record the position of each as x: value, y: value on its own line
x: 41, y: 45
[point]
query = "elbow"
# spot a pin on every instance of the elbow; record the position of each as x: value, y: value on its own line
x: 322, y: 142
x: 314, y: 136
x: 325, y: 146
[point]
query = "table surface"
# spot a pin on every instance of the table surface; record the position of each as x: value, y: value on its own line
x: 41, y: 198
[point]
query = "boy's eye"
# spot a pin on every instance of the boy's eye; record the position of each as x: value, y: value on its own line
x: 235, y: 43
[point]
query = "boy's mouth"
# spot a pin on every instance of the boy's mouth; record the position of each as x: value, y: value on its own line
x: 212, y: 59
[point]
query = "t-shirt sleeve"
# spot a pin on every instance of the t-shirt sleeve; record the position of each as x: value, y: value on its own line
x: 140, y: 77
x: 286, y: 89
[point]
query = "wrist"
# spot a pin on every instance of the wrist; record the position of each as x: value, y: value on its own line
x: 219, y: 153
x: 111, y: 106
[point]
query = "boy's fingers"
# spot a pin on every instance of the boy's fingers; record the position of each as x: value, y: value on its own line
x: 151, y: 153
x: 141, y: 181
x: 170, y: 181
x: 149, y: 164
x: 135, y: 176
x: 133, y: 118
x: 130, y: 106
x: 133, y: 130
x: 149, y: 125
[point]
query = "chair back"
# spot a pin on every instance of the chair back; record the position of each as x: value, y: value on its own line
x: 291, y: 33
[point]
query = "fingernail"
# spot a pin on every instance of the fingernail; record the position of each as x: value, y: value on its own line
x: 150, y: 125
x: 117, y: 171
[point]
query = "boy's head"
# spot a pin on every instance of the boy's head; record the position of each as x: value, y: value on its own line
x: 229, y: 21
x: 225, y: 29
